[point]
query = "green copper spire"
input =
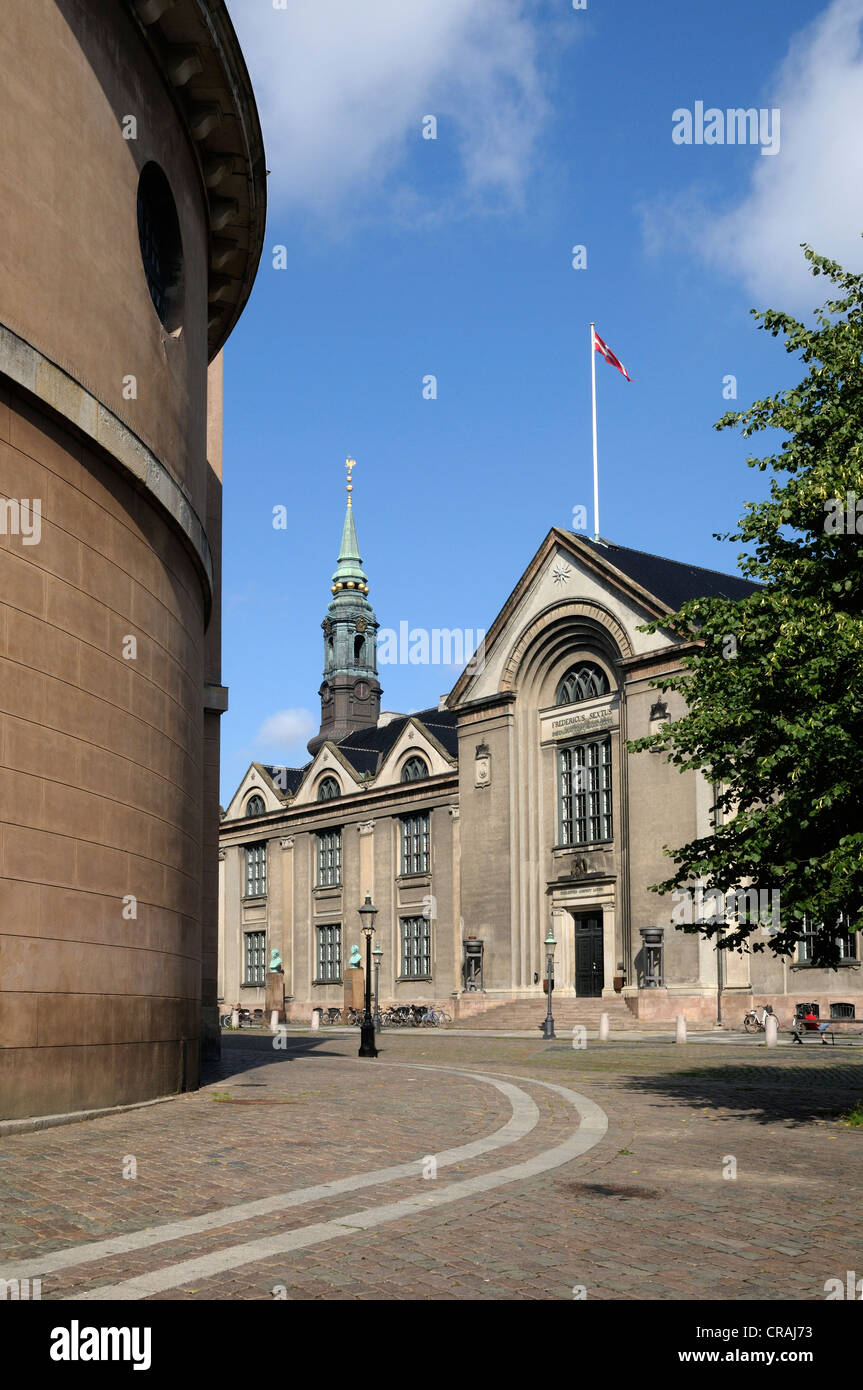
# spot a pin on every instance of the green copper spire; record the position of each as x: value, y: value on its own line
x: 349, y: 574
x: 350, y: 692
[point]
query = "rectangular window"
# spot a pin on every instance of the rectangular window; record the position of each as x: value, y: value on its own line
x: 255, y: 962
x: 329, y: 858
x: 847, y: 940
x: 328, y: 965
x: 585, y: 792
x: 807, y: 951
x: 256, y: 871
x: 415, y: 843
x: 416, y: 948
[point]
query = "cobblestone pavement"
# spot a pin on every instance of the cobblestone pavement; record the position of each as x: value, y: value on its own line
x: 311, y: 1173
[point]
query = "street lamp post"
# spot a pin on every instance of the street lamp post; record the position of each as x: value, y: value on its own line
x: 377, y: 953
x: 550, y: 943
x: 367, y: 1027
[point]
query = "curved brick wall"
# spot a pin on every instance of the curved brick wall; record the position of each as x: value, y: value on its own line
x: 100, y: 786
x: 109, y: 751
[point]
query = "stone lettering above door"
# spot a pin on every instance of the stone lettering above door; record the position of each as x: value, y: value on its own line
x: 573, y: 725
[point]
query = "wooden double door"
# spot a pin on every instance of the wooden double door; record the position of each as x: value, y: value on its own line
x: 589, y: 962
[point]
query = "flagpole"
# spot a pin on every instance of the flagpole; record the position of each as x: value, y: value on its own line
x: 595, y: 465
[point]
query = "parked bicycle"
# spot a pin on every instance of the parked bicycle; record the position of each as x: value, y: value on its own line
x: 435, y: 1017
x: 753, y: 1023
x: 413, y: 1016
x: 245, y: 1016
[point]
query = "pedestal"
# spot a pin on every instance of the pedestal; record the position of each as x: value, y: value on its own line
x: 276, y: 994
x: 355, y: 988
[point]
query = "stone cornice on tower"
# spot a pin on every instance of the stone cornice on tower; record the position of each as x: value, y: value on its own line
x: 194, y: 46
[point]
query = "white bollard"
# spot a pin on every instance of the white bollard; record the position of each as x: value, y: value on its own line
x: 770, y: 1029
x: 274, y: 1021
x: 235, y: 1018
x: 316, y: 1020
x: 681, y: 1029
x: 603, y: 1028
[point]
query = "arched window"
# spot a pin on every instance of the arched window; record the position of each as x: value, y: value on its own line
x: 329, y: 789
x: 255, y: 806
x: 582, y: 683
x: 161, y: 244
x: 414, y: 770
x: 359, y: 646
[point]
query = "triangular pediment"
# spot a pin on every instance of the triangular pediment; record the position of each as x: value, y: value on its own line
x: 565, y: 575
x: 414, y: 739
x: 328, y: 761
x: 256, y: 782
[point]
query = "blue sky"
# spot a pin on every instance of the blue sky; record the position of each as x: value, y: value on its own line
x: 408, y: 257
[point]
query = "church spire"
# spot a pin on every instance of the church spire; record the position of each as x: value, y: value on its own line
x: 349, y: 570
x: 350, y: 692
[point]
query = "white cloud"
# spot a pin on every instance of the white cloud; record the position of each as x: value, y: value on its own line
x: 812, y: 190
x: 286, y: 729
x: 343, y: 87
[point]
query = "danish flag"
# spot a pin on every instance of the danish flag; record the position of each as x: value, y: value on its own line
x: 609, y: 356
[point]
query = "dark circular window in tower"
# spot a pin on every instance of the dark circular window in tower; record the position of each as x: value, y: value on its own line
x: 161, y: 245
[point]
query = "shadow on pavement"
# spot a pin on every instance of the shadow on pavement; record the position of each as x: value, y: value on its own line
x: 246, y: 1050
x: 795, y: 1095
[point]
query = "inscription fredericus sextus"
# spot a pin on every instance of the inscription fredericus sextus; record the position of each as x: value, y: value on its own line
x: 578, y: 723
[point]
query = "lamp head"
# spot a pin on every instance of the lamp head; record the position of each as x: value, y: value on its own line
x: 368, y: 913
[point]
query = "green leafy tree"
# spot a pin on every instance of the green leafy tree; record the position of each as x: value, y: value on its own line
x: 774, y: 687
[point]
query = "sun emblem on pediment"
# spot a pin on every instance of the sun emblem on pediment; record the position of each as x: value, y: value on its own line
x: 561, y: 573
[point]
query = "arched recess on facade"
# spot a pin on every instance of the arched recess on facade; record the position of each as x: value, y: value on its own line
x: 546, y: 648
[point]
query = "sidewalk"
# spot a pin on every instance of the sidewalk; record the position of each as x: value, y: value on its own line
x: 453, y: 1169
x: 716, y: 1035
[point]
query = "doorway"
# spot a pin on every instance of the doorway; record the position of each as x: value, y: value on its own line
x: 589, y: 966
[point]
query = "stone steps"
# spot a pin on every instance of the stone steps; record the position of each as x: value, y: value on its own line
x: 522, y: 1015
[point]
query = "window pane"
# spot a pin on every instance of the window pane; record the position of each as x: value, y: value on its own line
x: 329, y: 953
x: 583, y: 682
x: 329, y: 858
x: 416, y: 843
x: 256, y: 871
x: 416, y: 947
x: 255, y: 963
x: 584, y: 791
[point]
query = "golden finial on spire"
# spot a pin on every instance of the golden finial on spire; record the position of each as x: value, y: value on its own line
x: 350, y: 465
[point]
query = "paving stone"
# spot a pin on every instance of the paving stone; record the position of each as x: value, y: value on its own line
x: 656, y: 1221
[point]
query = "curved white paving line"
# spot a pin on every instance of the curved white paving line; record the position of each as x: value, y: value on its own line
x: 593, y: 1125
x: 525, y: 1117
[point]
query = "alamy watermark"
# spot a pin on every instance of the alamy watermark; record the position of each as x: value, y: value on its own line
x: 844, y: 515
x: 735, y: 126
x: 437, y: 646
x: 850, y: 1288
x: 703, y: 907
x: 21, y: 517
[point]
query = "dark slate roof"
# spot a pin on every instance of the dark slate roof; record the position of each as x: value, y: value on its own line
x: 365, y: 749
x: 670, y: 580
x: 287, y: 779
